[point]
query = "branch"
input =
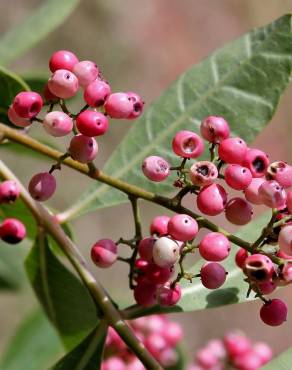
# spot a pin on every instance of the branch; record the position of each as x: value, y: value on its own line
x: 98, y: 293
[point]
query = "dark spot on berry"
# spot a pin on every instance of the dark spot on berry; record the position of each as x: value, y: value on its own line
x: 67, y: 76
x: 258, y: 164
x: 203, y: 170
x: 90, y: 144
x: 34, y: 107
x: 99, y: 102
x: 259, y: 275
x: 11, y: 239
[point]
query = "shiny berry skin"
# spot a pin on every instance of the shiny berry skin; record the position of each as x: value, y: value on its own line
x: 240, y: 257
x: 157, y: 275
x: 213, y: 275
x: 145, y: 248
x: 9, y: 191
x: 251, y: 193
x: 236, y: 344
x: 212, y: 200
x: 182, y: 227
x: 63, y: 59
x: 91, y: 123
x: 119, y: 105
x: 168, y: 295
x: 187, y: 144
x: 16, y: 119
x: 48, y: 95
x: 166, y: 252
x: 145, y: 293
x: 232, y: 150
x: 159, y: 225
x: 42, y: 186
x: 83, y: 149
x: 63, y: 83
x: 289, y: 201
x: 274, y: 312
x: 214, y: 129
x: 58, y: 123
x: 27, y: 104
x: 138, y: 105
x: 155, y: 168
x: 214, y: 247
x: 263, y: 351
x: 203, y: 173
x: 259, y: 268
x: 285, y: 239
x: 86, y: 72
x: 238, y: 211
x: 257, y: 162
x: 104, y: 253
x: 12, y: 231
x: 237, y: 177
x: 280, y: 172
x: 96, y: 93
x: 267, y: 287
x: 272, y: 194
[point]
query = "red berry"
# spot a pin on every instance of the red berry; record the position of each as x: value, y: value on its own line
x: 86, y: 72
x: 257, y: 161
x: 187, y: 144
x: 96, y: 93
x: 27, y: 104
x: 119, y: 105
x: 274, y: 312
x: 155, y: 168
x: 232, y: 150
x: 138, y: 105
x: 237, y: 177
x: 272, y: 194
x: 83, y: 149
x: 251, y: 193
x: 182, y: 227
x: 159, y: 225
x: 91, y: 123
x: 215, y: 129
x: 63, y: 59
x: 104, y: 253
x: 240, y: 257
x: 58, y: 123
x: 168, y: 295
x: 214, y: 247
x: 238, y: 211
x: 16, y: 119
x: 12, y: 231
x: 145, y: 248
x: 9, y: 191
x: 212, y: 200
x: 145, y: 293
x: 63, y: 84
x: 213, y: 275
x: 42, y: 186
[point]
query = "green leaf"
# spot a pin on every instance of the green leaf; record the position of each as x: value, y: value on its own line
x: 282, y: 362
x: 87, y: 355
x: 242, y: 81
x: 65, y: 300
x: 47, y: 17
x: 196, y: 297
x: 34, y: 345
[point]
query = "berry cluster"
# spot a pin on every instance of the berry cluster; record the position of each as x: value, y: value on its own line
x: 159, y: 335
x: 12, y: 230
x: 234, y: 351
x: 69, y: 75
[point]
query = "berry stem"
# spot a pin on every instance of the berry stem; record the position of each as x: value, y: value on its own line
x: 133, y: 190
x: 266, y: 230
x: 48, y: 222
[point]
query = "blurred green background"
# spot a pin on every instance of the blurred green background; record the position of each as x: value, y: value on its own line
x: 144, y: 46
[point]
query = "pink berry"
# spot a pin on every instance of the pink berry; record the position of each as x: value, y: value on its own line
x: 63, y: 59
x: 48, y: 95
x: 215, y: 129
x: 138, y: 105
x: 155, y: 343
x: 114, y: 363
x: 257, y: 162
x: 267, y: 287
x: 236, y: 344
x: 237, y: 177
x: 9, y: 191
x: 168, y: 295
x: 203, y: 173
x: 58, y: 124
x: 187, y: 144
x: 289, y: 201
x: 96, y: 93
x: 206, y: 358
x: 248, y: 361
x: 212, y: 199
x: 259, y: 268
x: 240, y: 257
x: 217, y: 347
x: 155, y: 168
x: 119, y: 105
x: 12, y: 231
x: 173, y: 333
x: 142, y: 264
x: 214, y: 247
x: 16, y: 119
x: 156, y: 274
x: 284, y: 255
x: 135, y: 364
x: 232, y: 150
x: 286, y: 273
x: 168, y: 357
x: 272, y: 194
x: 83, y: 149
x: 251, y: 193
x: 145, y: 293
x: 166, y: 252
x: 263, y: 351
x: 182, y: 227
x: 27, y: 104
x: 238, y: 211
x: 159, y: 225
x: 91, y: 123
x: 63, y: 84
x: 104, y: 253
x: 213, y: 275
x: 86, y: 72
x: 145, y: 248
x: 274, y: 312
x: 285, y: 239
x: 280, y: 172
x: 42, y: 186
